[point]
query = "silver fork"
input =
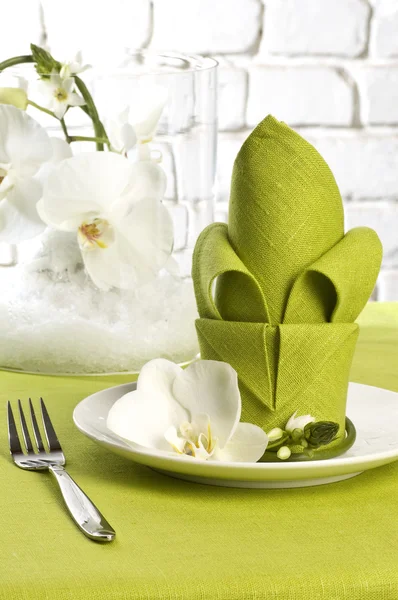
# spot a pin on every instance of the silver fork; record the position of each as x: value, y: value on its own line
x: 86, y: 516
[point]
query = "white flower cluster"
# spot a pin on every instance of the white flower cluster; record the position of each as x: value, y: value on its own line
x: 114, y: 205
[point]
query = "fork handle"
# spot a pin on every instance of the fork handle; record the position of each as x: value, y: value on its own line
x: 86, y: 516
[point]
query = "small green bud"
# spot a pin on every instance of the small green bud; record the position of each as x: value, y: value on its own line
x: 45, y: 63
x: 284, y: 453
x: 14, y: 96
x: 275, y: 434
x: 320, y: 433
x: 296, y: 435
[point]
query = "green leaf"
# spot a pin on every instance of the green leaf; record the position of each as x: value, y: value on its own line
x: 45, y: 64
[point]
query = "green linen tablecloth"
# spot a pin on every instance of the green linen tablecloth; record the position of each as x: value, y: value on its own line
x: 177, y: 540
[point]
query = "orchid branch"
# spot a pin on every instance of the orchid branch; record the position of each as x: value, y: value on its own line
x: 64, y: 129
x: 42, y: 109
x: 17, y: 60
x: 85, y: 138
x: 43, y: 59
x: 99, y: 129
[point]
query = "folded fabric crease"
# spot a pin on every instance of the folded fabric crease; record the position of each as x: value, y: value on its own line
x: 279, y: 288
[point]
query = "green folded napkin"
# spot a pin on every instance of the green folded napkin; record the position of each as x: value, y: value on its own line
x: 278, y: 289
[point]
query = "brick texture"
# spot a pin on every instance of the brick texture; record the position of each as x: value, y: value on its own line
x: 365, y: 164
x: 385, y: 27
x: 102, y: 30
x: 206, y: 25
x: 379, y: 94
x: 324, y: 27
x: 21, y: 25
x: 303, y: 95
x: 329, y: 68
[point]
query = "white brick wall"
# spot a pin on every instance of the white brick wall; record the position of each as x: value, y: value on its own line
x: 384, y: 39
x: 322, y: 27
x: 206, y: 25
x: 300, y: 95
x: 327, y: 67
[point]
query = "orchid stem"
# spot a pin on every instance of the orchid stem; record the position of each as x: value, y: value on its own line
x: 91, y: 109
x: 49, y: 112
x: 84, y: 138
x: 45, y: 110
x: 17, y: 60
x: 64, y: 129
x: 101, y: 137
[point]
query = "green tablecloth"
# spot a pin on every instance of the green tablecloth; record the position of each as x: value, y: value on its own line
x: 177, y: 540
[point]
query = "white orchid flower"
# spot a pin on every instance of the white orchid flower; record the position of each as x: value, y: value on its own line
x: 190, y: 412
x: 73, y: 67
x: 124, y: 232
x: 24, y: 148
x: 298, y: 422
x: 59, y: 94
x: 60, y: 150
x: 121, y: 133
x: 136, y: 124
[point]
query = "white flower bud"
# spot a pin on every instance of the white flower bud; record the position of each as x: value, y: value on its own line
x: 284, y: 453
x: 275, y: 434
x: 298, y: 422
x: 14, y: 96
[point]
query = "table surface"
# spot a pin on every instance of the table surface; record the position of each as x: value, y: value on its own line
x: 177, y: 540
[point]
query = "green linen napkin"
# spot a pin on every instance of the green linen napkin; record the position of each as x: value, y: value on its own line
x: 278, y: 289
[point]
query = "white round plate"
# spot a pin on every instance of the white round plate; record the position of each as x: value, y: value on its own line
x: 374, y: 411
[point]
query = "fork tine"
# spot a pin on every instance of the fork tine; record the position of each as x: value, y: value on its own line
x: 53, y: 442
x: 36, y: 430
x: 13, y: 438
x: 25, y: 431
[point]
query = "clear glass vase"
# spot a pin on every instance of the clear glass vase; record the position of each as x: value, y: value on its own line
x: 52, y: 317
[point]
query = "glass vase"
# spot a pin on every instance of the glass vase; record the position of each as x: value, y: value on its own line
x: 53, y: 318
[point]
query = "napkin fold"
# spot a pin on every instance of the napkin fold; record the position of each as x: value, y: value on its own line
x: 278, y: 289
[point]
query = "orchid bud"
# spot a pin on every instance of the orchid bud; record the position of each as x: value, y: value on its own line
x: 15, y: 96
x: 284, y: 453
x: 321, y: 433
x: 275, y: 434
x: 297, y: 434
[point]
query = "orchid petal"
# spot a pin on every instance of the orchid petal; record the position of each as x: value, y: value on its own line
x: 19, y: 219
x: 247, y: 444
x: 146, y: 108
x: 65, y: 71
x: 174, y: 440
x: 84, y: 185
x: 23, y: 142
x: 145, y: 239
x: 144, y: 418
x: 59, y: 109
x: 142, y: 245
x: 156, y: 378
x: 75, y: 100
x: 128, y: 136
x: 111, y: 267
x: 211, y: 387
x: 66, y: 84
x: 5, y: 186
x: 61, y: 149
x: 147, y: 181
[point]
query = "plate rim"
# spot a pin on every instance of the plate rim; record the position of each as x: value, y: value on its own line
x: 213, y: 468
